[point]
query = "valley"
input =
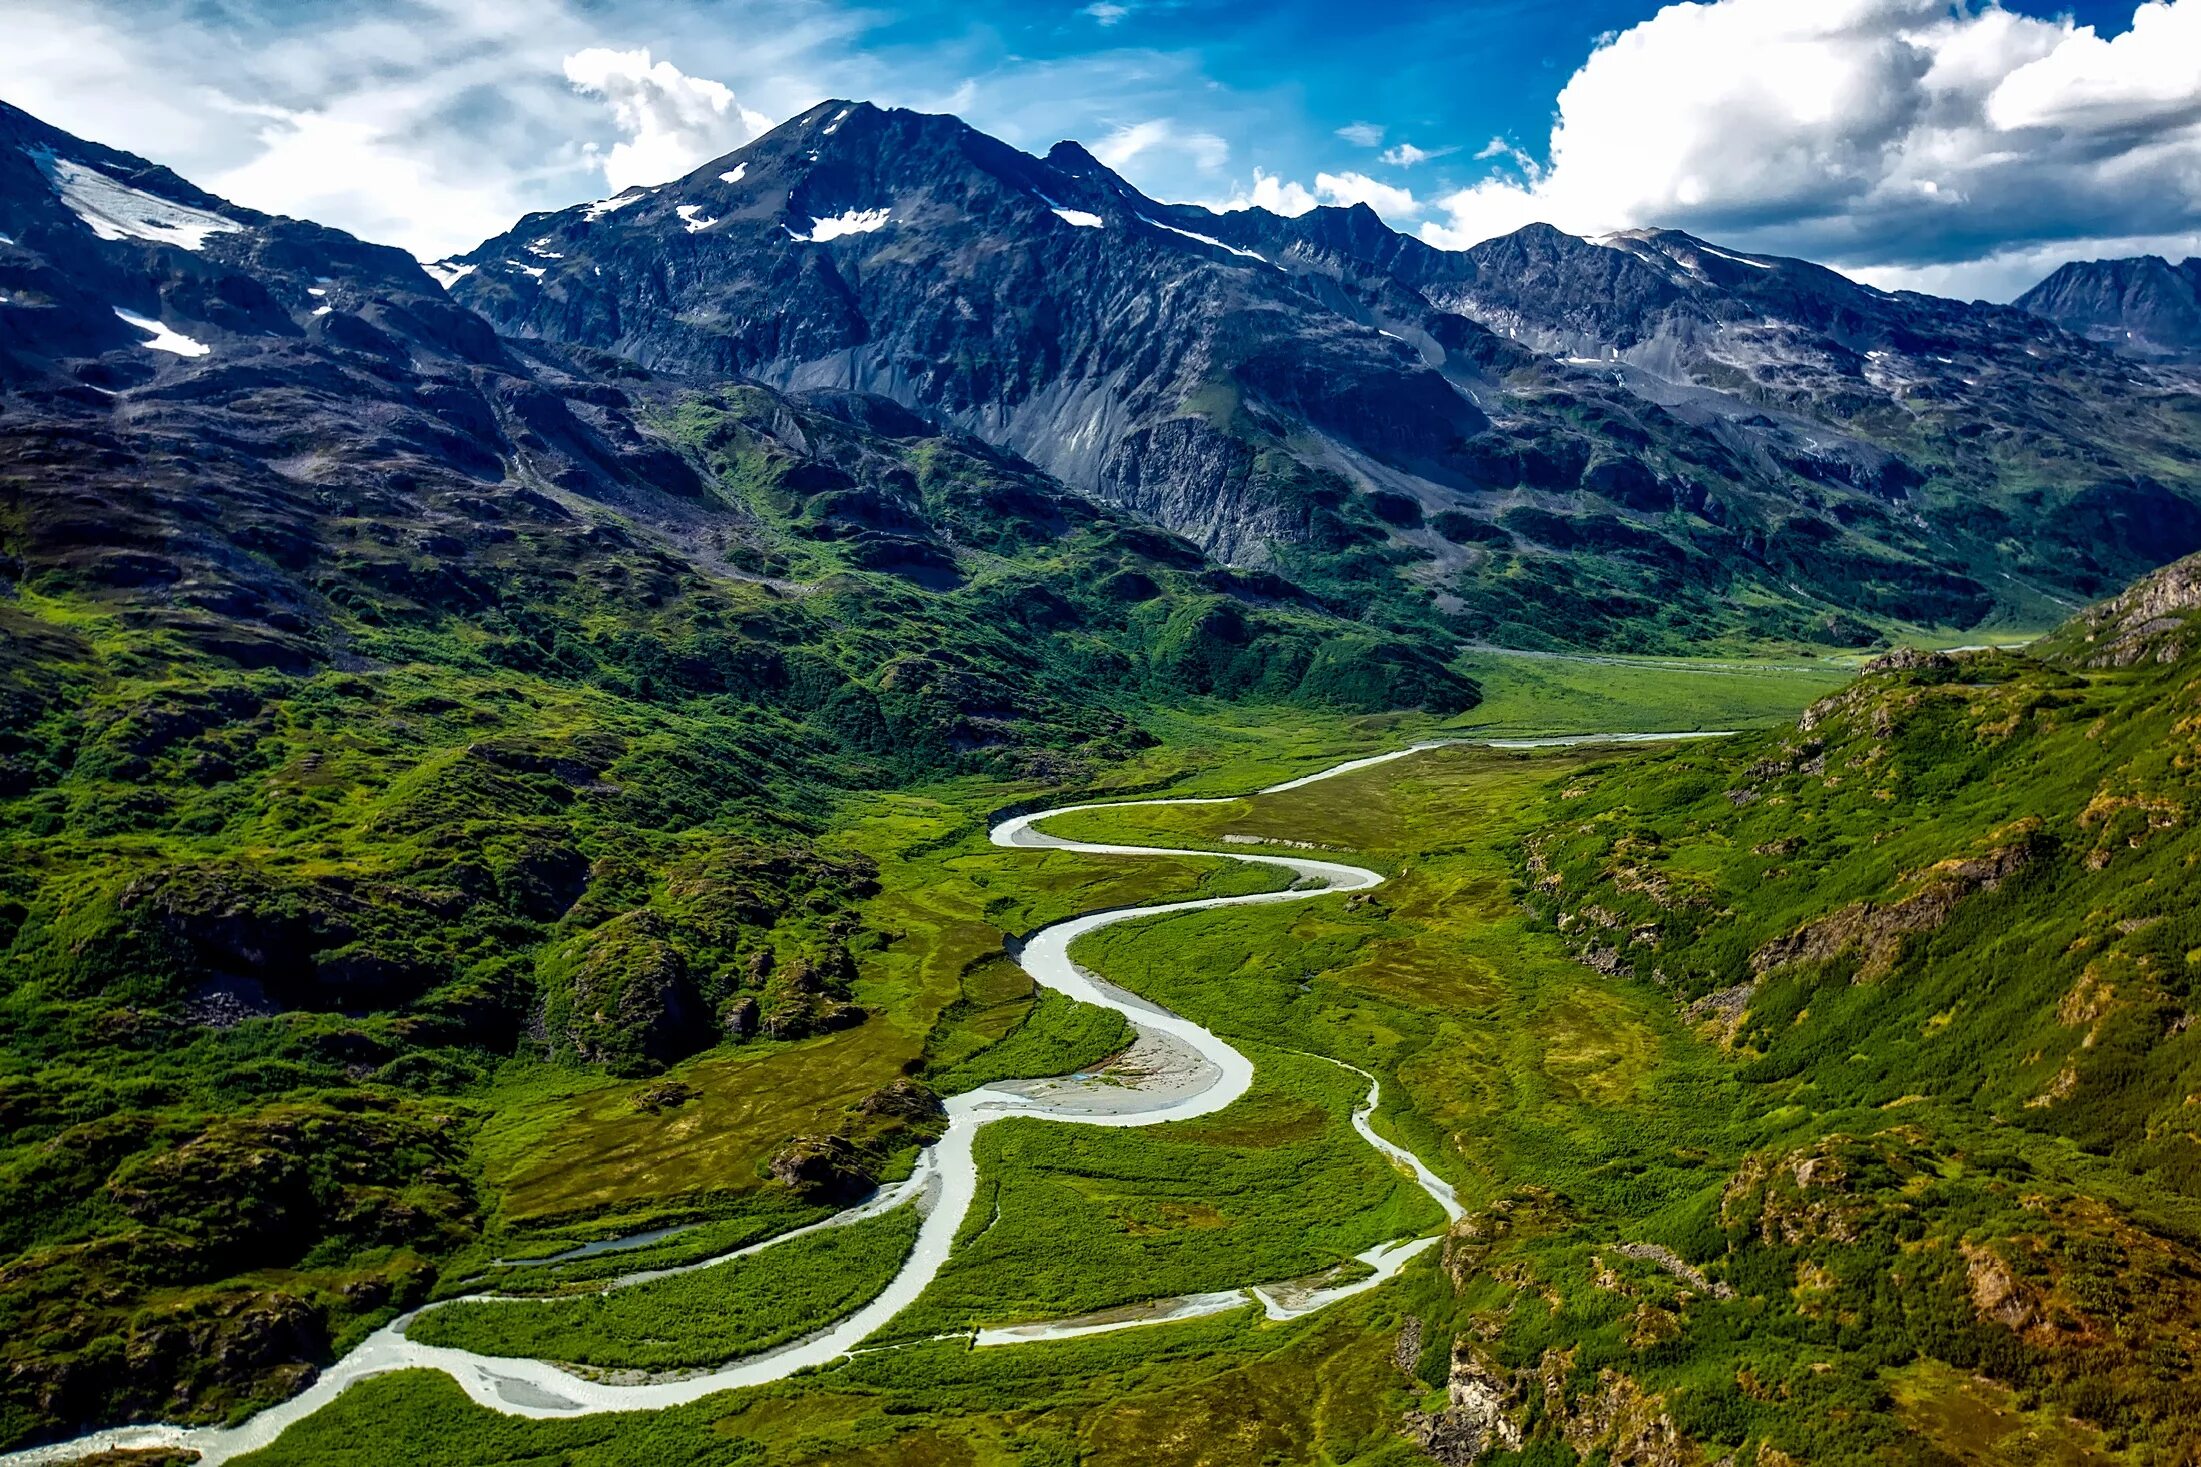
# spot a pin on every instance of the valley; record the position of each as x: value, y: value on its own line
x: 634, y: 845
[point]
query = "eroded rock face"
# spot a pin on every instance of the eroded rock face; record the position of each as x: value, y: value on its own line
x: 2154, y: 621
x: 829, y: 1169
x: 1877, y: 930
x: 1477, y: 1418
x: 2142, y: 306
x: 1487, y: 1403
x: 1632, y: 1428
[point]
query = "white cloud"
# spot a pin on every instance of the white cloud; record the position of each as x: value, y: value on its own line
x: 672, y: 121
x: 1291, y: 198
x: 1888, y: 134
x: 1358, y: 188
x: 1105, y: 13
x: 2149, y: 77
x: 1277, y: 195
x: 1362, y: 134
x: 1406, y: 155
x: 348, y: 162
x: 1205, y: 150
x: 2005, y: 273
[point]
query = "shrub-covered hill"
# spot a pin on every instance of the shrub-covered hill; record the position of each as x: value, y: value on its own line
x: 1946, y: 924
x: 380, y: 699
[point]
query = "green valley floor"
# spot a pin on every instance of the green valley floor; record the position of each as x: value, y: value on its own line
x: 1688, y: 1236
x: 1594, y: 1137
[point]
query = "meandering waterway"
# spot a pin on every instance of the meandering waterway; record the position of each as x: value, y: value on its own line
x: 1183, y: 1070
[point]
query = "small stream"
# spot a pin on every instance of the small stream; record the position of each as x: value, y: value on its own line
x: 1189, y: 1072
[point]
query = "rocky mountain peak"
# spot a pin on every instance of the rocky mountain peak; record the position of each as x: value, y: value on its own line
x: 2143, y: 307
x: 1320, y: 391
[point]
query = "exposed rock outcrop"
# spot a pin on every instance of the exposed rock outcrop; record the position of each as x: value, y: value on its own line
x: 1876, y: 930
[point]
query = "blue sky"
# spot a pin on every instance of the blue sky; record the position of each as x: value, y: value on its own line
x: 1962, y: 147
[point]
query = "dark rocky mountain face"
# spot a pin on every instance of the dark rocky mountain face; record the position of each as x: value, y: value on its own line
x: 1974, y: 437
x: 2144, y: 307
x: 1033, y: 301
x: 228, y: 425
x: 241, y: 432
x: 1641, y: 441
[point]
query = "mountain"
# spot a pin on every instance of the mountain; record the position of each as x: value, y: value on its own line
x: 1644, y: 441
x: 2143, y: 307
x: 382, y: 700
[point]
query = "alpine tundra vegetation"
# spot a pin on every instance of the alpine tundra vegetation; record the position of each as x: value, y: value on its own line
x: 880, y: 800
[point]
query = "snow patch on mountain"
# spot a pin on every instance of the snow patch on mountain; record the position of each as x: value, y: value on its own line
x: 734, y: 174
x: 114, y: 210
x: 1210, y: 240
x: 689, y: 216
x: 613, y: 204
x: 855, y: 221
x: 447, y: 274
x: 1738, y: 259
x: 164, y: 338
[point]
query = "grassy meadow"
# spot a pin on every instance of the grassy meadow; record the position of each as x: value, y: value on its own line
x: 1504, y: 1063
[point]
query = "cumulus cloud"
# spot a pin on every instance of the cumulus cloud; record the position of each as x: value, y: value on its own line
x: 1879, y: 134
x: 1284, y: 196
x: 672, y: 121
x: 1386, y: 199
x: 1205, y: 150
x: 1291, y: 198
x: 422, y: 123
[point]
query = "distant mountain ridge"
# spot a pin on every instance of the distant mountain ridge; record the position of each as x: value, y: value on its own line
x: 1643, y: 441
x: 2142, y: 306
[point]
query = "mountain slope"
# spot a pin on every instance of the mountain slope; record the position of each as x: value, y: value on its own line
x: 866, y: 249
x: 1968, y: 434
x: 1944, y: 926
x: 1639, y: 442
x: 2144, y: 307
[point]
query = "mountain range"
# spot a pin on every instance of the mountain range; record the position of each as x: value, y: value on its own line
x: 1638, y: 441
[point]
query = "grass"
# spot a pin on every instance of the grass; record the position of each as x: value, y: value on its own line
x: 1058, y: 1036
x: 560, y: 1151
x: 1501, y: 1061
x: 704, y: 1317
x: 1538, y: 693
x: 1072, y: 1219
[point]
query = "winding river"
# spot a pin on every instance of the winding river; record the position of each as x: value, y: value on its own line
x: 1185, y: 1070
